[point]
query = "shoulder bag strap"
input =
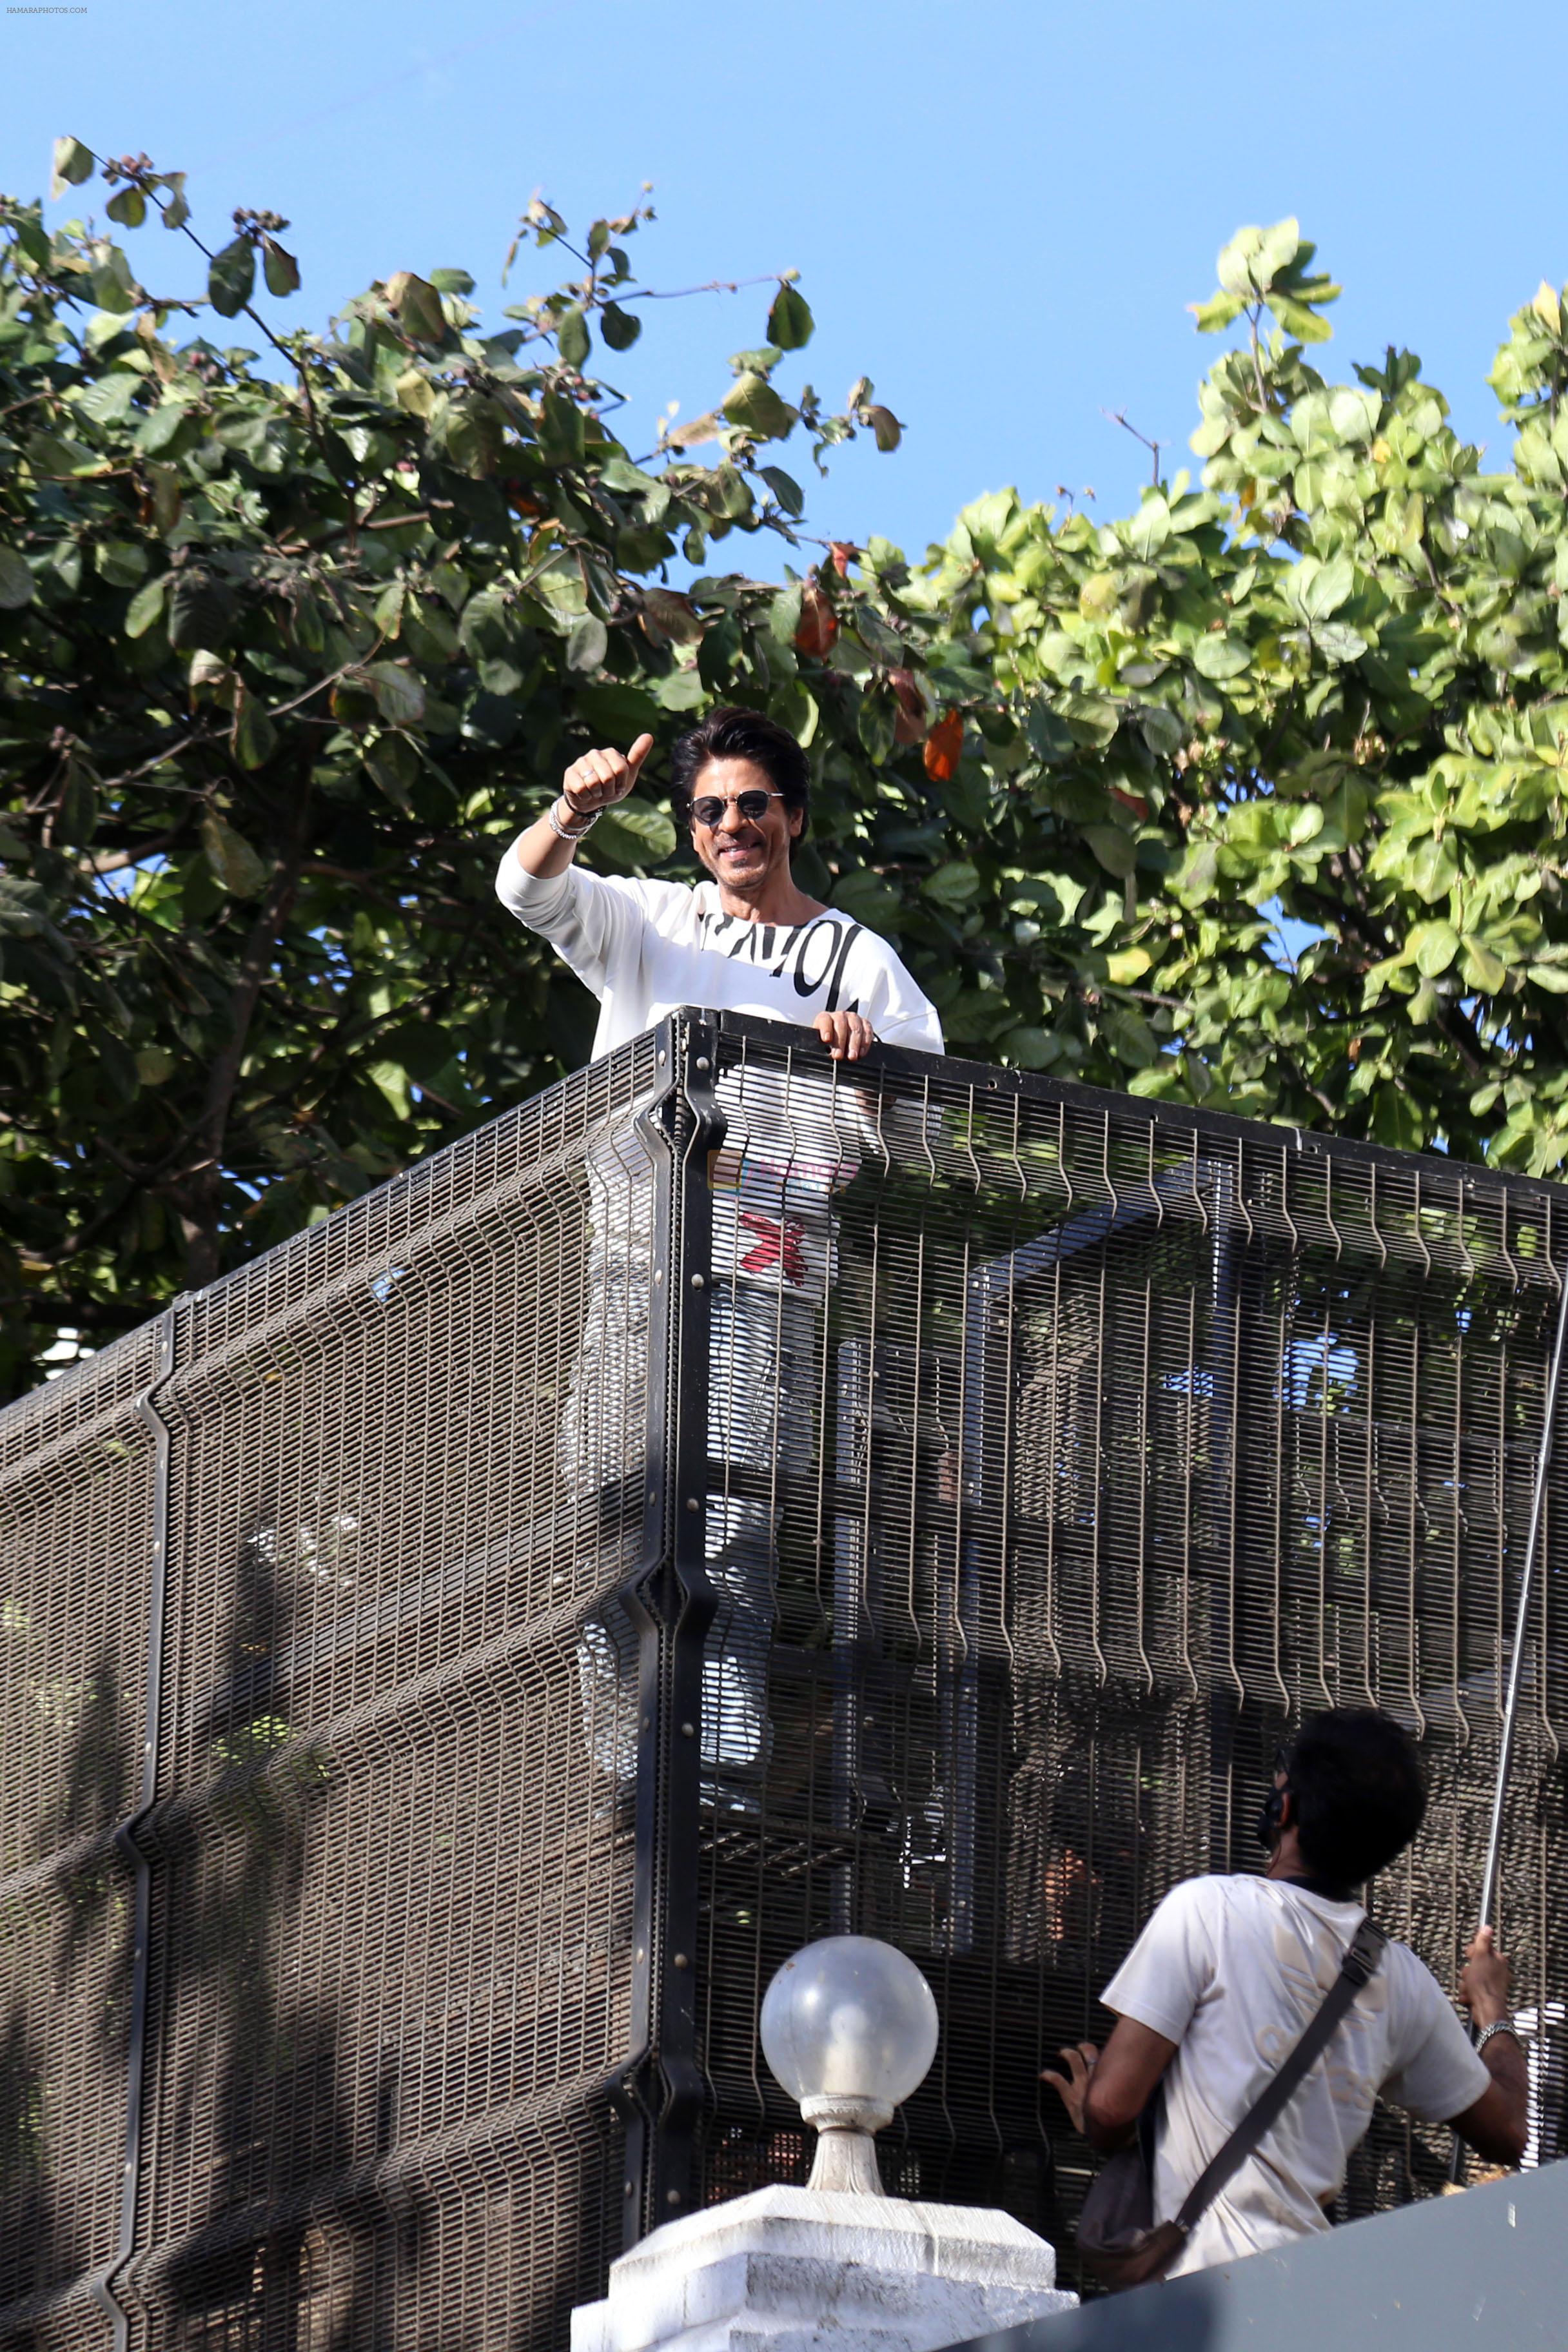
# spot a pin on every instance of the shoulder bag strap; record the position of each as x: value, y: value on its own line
x: 1361, y: 1963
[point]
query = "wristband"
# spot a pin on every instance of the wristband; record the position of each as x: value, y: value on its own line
x: 1498, y: 2025
x: 570, y: 832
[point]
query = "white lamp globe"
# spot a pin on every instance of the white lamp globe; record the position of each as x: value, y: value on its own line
x: 849, y: 2027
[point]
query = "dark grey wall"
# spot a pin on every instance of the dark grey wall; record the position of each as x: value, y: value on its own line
x: 1450, y: 2274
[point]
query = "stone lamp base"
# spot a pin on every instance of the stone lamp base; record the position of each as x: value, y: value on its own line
x: 803, y: 2270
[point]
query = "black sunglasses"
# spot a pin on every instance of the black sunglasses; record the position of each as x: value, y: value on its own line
x: 753, y: 806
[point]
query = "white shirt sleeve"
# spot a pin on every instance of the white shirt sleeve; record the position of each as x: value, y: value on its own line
x: 1169, y: 1968
x: 593, y: 923
x: 900, y: 1013
x: 1438, y: 2073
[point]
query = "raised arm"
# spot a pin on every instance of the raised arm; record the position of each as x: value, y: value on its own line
x: 594, y: 782
x: 1105, y: 2091
x: 1496, y: 2125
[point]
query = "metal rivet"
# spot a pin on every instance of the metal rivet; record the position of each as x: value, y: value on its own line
x: 662, y: 1065
x: 703, y: 1062
x: 647, y: 1721
x: 658, y: 1274
x: 681, y: 1961
x: 642, y: 1953
x: 672, y: 2196
x: 629, y: 2184
x: 698, y: 1282
x: 692, y: 1503
x: 688, y: 1731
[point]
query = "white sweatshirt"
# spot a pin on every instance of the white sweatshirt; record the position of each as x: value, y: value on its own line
x: 645, y: 948
x: 795, y: 1138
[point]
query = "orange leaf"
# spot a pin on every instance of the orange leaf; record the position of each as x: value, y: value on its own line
x: 818, y: 624
x: 843, y: 553
x: 943, y: 746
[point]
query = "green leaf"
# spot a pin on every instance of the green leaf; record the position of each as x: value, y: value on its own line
x: 416, y: 307
x: 231, y: 280
x: 73, y: 164
x: 620, y: 329
x: 1483, y: 968
x: 1051, y: 737
x: 636, y: 833
x: 176, y: 212
x: 146, y: 607
x: 232, y: 859
x: 588, y: 643
x: 790, y: 322
x: 279, y: 268
x: 1215, y: 315
x: 867, y: 898
x: 451, y: 281
x: 952, y: 885
x: 1322, y: 588
x: 128, y: 206
x: 886, y: 430
x: 1218, y: 657
x: 15, y: 581
x: 1150, y: 528
x: 393, y: 765
x: 1338, y: 644
x: 255, y: 737
x: 572, y: 337
x: 201, y: 611
x: 1434, y: 946
x: 682, y: 689
x: 1116, y: 851
x: 399, y: 693
x: 753, y: 405
x: 785, y: 489
x: 78, y: 804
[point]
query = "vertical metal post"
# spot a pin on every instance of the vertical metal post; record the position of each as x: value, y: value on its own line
x: 671, y: 1601
x: 1521, y: 1622
x: 851, y: 1579
x: 127, y: 1837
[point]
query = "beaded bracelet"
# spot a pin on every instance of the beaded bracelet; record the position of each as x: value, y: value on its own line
x: 570, y: 832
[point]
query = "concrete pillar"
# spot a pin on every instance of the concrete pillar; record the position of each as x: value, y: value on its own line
x: 803, y: 2270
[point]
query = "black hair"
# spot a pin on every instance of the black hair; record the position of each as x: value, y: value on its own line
x: 728, y: 733
x: 1358, y: 1792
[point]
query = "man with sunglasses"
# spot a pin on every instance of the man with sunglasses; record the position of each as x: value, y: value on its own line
x: 1222, y: 1984
x: 748, y: 938
x: 745, y: 939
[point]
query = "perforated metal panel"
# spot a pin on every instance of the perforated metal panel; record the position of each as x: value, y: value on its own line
x: 450, y: 1663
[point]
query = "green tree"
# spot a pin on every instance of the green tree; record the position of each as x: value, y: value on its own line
x: 1328, y: 685
x: 285, y: 663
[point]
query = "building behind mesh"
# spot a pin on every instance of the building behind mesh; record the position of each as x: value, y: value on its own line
x: 450, y: 1663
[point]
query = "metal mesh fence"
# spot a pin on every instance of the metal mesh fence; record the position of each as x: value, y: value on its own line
x: 1137, y: 1436
x: 449, y: 1664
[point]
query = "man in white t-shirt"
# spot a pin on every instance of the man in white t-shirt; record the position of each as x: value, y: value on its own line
x: 745, y: 940
x: 1228, y: 1973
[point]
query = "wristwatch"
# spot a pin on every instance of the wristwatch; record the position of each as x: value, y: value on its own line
x: 1498, y: 2025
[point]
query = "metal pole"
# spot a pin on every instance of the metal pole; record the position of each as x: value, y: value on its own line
x: 1516, y: 1664
x: 111, y: 2291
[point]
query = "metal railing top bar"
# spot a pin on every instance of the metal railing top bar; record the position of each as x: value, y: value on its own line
x: 949, y: 1074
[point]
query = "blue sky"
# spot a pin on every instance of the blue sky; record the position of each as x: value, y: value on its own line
x: 999, y: 210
